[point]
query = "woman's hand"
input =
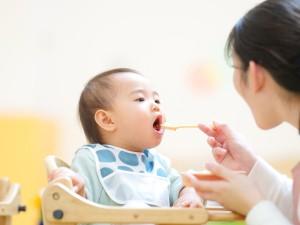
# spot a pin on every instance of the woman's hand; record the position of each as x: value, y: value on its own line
x: 229, y: 148
x: 77, y: 181
x: 188, y: 198
x: 234, y: 191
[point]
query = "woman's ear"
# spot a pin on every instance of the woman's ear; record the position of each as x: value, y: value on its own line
x: 256, y: 76
x: 104, y: 120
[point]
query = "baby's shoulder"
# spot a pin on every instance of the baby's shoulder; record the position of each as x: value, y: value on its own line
x: 90, y: 147
x: 88, y: 151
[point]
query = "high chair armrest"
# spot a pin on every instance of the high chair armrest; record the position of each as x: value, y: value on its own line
x: 52, y: 163
x: 63, y: 206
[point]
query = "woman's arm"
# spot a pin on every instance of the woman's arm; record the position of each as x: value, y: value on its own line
x: 265, y: 212
x: 273, y: 186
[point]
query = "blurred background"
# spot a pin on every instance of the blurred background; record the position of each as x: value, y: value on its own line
x: 50, y: 49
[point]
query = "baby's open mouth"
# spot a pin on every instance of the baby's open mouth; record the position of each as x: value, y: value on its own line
x: 157, y: 123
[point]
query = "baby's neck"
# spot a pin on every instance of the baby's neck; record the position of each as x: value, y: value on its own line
x: 124, y: 146
x: 117, y: 141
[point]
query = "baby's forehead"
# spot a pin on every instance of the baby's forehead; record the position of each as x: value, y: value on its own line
x: 130, y: 81
x: 129, y: 77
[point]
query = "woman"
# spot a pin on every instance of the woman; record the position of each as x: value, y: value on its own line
x: 265, y: 49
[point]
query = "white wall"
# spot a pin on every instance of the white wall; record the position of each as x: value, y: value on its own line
x: 49, y: 49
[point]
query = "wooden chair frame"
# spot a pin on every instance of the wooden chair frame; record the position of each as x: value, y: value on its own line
x: 61, y: 206
x: 10, y: 201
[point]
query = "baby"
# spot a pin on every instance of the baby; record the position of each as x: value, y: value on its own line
x: 121, y: 116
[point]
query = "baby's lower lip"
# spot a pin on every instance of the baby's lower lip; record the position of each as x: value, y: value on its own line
x: 160, y: 131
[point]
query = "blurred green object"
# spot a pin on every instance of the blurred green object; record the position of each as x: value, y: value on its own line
x: 227, y: 223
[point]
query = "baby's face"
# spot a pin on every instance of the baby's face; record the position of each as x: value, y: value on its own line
x: 136, y: 112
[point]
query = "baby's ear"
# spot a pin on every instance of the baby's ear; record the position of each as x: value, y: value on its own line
x: 104, y: 120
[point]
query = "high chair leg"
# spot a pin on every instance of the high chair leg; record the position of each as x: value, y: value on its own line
x: 5, y: 220
x: 9, y: 201
x: 4, y: 187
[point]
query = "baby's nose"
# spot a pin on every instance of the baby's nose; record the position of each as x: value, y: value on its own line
x: 155, y: 107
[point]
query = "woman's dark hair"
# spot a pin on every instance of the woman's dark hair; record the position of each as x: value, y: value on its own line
x: 269, y: 34
x: 97, y: 94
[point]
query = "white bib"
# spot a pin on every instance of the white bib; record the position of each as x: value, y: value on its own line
x: 129, y: 176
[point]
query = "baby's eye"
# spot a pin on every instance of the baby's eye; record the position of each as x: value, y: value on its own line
x: 140, y: 99
x: 157, y: 101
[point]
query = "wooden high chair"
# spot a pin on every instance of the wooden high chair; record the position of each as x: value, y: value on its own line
x: 61, y: 205
x: 10, y: 201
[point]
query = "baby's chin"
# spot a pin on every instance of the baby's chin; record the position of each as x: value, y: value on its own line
x: 154, y: 144
x: 141, y: 148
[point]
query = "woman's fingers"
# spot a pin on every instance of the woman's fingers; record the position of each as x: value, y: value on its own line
x: 218, y: 151
x: 213, y: 142
x: 213, y: 189
x: 219, y: 154
x: 219, y: 131
x: 220, y: 171
x: 207, y: 130
x: 201, y: 185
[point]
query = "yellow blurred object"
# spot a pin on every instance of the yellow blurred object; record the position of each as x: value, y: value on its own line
x: 24, y: 143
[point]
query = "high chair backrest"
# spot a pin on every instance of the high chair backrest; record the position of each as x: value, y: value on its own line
x: 62, y: 206
x: 10, y: 201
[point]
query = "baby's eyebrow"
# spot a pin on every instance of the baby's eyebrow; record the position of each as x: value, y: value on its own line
x: 143, y: 91
x: 155, y: 93
x: 137, y: 91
